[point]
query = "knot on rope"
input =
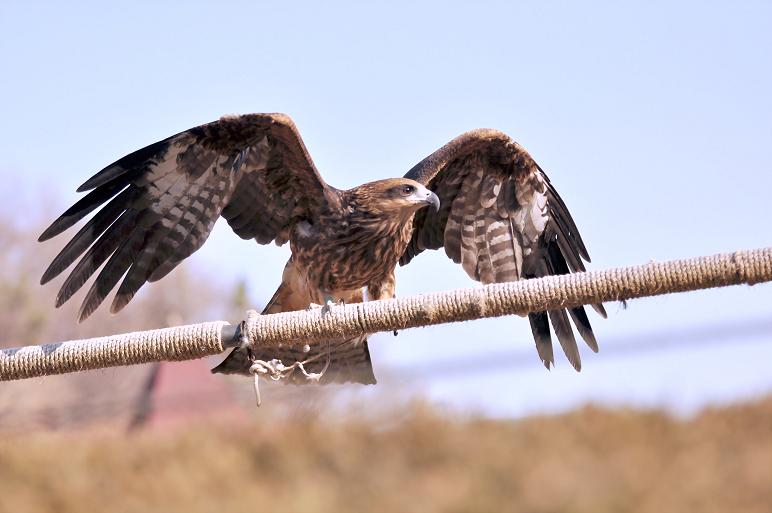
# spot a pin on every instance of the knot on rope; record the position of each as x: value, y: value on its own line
x: 277, y: 371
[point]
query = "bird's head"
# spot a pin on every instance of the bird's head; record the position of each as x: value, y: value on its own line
x: 398, y: 195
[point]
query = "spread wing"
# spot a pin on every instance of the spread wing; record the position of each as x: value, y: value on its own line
x: 502, y: 220
x: 159, y: 204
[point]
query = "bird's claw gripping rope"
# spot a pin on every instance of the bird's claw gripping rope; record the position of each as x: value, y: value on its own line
x: 329, y: 303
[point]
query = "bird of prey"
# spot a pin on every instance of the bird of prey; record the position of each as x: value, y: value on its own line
x: 481, y: 198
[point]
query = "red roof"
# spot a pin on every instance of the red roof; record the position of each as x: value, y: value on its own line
x: 184, y: 392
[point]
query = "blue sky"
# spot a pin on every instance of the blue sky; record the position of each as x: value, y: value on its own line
x: 653, y: 120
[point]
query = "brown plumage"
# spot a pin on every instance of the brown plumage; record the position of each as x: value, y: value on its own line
x: 498, y: 216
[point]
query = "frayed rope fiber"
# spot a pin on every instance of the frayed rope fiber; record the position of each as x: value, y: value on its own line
x: 199, y: 340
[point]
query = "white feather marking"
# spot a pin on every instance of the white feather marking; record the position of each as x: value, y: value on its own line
x: 502, y: 257
x: 304, y: 229
x: 190, y: 216
x: 539, y: 212
x: 498, y: 239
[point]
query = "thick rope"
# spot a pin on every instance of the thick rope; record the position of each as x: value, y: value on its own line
x: 178, y: 343
x: 520, y: 297
x: 199, y: 340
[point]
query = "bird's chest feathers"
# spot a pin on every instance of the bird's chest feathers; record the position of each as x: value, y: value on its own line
x: 350, y: 250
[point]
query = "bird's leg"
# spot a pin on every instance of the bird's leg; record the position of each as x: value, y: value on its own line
x: 329, y: 302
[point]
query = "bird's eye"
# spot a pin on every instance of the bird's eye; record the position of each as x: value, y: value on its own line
x: 408, y: 189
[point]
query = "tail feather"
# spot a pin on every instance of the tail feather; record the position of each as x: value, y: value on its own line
x: 541, y: 333
x: 562, y: 327
x: 582, y: 323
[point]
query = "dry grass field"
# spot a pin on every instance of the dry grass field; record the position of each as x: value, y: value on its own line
x: 591, y: 460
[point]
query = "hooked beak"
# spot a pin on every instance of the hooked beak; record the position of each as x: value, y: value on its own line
x: 433, y: 200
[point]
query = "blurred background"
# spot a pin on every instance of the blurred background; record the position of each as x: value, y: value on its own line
x: 653, y: 121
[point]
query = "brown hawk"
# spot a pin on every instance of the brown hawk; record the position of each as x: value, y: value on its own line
x: 494, y: 211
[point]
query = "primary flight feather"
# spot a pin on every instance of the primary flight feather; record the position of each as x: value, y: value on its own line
x: 492, y: 209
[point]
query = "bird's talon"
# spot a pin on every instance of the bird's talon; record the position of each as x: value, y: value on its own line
x: 329, y: 303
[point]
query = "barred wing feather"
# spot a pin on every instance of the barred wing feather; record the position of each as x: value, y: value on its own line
x: 502, y: 220
x: 160, y: 203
